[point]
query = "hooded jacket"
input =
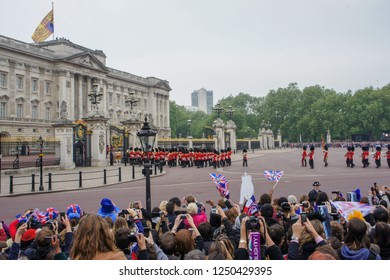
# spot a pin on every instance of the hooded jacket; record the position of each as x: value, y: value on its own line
x: 362, y: 254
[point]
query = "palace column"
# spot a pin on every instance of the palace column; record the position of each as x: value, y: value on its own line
x: 97, y: 128
x: 80, y: 97
x: 219, y: 130
x: 231, y: 130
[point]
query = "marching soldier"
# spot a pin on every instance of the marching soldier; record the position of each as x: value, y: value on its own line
x: 326, y: 155
x: 377, y: 156
x: 311, y: 156
x: 304, y: 156
x: 364, y: 156
x: 388, y: 155
x: 348, y: 157
x: 351, y: 155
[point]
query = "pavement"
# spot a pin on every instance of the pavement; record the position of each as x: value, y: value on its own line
x: 92, y: 177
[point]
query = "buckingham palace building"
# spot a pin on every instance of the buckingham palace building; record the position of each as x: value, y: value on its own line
x: 48, y: 88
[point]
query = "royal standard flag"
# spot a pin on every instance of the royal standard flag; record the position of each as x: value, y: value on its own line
x: 44, y: 29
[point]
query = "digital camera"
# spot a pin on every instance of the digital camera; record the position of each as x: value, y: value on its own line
x: 132, y: 237
x: 252, y: 223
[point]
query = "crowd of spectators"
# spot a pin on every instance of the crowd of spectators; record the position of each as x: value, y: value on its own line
x: 180, y: 229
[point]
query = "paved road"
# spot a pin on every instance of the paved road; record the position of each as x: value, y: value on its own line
x: 182, y: 181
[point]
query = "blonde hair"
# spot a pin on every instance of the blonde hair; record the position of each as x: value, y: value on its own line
x: 192, y: 209
x: 306, y: 236
x: 119, y: 223
x: 163, y: 205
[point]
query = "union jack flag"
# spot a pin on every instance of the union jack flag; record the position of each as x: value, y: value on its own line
x: 39, y: 216
x: 250, y: 206
x: 221, y: 184
x: 273, y: 175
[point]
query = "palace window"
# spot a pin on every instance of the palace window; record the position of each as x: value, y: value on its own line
x: 34, y: 112
x: 19, y: 82
x: 48, y: 113
x: 19, y: 110
x: 34, y: 85
x: 110, y: 98
x: 3, y: 80
x: 48, y: 87
x: 3, y: 109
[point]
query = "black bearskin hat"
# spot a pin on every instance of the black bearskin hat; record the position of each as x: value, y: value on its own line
x: 312, y: 148
x: 304, y: 147
x: 326, y: 147
x: 378, y: 148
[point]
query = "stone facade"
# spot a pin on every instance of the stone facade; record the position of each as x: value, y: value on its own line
x: 37, y: 81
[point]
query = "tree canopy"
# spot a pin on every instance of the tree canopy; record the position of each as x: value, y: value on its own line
x: 304, y: 114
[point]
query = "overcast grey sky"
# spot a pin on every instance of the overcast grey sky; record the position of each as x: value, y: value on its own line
x: 228, y: 46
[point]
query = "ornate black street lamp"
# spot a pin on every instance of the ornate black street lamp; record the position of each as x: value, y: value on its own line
x: 40, y: 142
x: 230, y: 112
x: 147, y: 136
x: 95, y: 96
x: 265, y: 124
x: 218, y: 109
x: 131, y: 101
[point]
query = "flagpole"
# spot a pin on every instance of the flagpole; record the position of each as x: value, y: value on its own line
x: 52, y: 7
x: 275, y: 184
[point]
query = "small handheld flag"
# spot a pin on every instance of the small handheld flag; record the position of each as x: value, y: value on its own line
x: 273, y: 175
x: 250, y: 207
x: 221, y: 184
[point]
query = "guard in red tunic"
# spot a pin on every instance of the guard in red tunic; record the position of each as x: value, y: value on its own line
x: 245, y: 158
x: 348, y: 156
x: 351, y: 155
x: 229, y: 156
x: 388, y: 155
x: 222, y: 158
x: 311, y: 156
x: 326, y: 154
x: 377, y: 156
x: 215, y: 159
x: 304, y: 156
x: 365, y: 154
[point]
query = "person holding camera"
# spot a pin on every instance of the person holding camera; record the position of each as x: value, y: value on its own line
x: 253, y: 223
x: 187, y: 240
x: 305, y: 239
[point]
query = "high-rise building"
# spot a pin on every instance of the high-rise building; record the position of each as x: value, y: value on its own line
x: 203, y: 100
